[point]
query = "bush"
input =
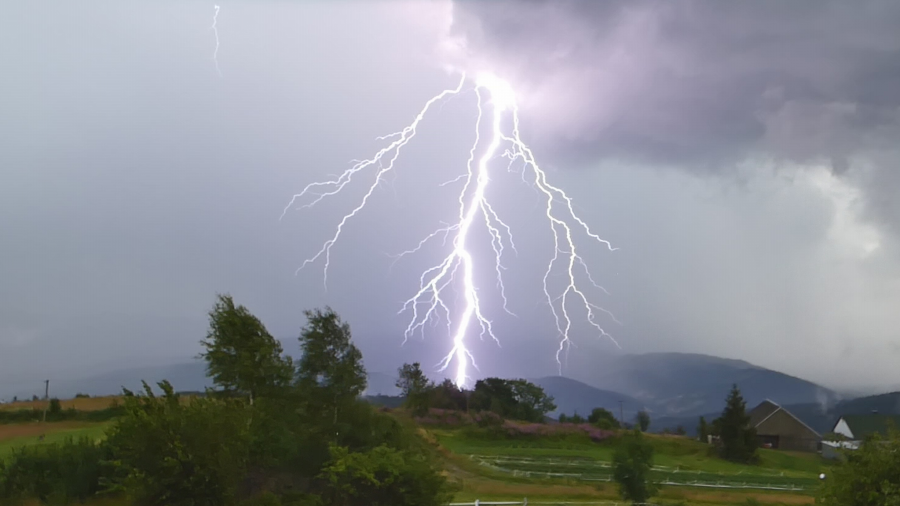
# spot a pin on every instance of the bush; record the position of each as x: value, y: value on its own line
x: 55, y: 473
x: 382, y: 476
x: 632, y: 462
x: 174, y: 453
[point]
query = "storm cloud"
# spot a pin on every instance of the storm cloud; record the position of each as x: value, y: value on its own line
x: 742, y: 157
x: 703, y: 84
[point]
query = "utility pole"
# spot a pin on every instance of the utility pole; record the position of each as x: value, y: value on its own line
x: 46, y: 398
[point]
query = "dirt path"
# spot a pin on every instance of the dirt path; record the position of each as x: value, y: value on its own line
x: 17, y: 430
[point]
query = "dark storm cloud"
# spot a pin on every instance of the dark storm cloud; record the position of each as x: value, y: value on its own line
x: 700, y: 83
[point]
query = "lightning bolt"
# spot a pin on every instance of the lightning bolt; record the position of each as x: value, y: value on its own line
x: 495, y: 98
x: 216, y: 32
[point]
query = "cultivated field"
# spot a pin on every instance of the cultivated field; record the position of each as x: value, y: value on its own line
x: 81, y: 404
x: 18, y: 435
x: 576, y: 469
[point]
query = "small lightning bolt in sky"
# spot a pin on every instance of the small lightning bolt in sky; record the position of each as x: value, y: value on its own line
x: 216, y: 32
x: 428, y: 303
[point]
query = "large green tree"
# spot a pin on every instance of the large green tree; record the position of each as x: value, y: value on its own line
x: 603, y: 419
x: 414, y: 387
x: 241, y: 356
x: 330, y: 372
x: 517, y: 399
x: 733, y: 428
x: 632, y: 462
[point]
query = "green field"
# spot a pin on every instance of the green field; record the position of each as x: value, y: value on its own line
x: 577, y: 469
x: 566, y: 469
x: 52, y: 433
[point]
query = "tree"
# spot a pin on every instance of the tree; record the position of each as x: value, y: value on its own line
x: 563, y: 418
x: 703, y: 430
x: 517, y: 399
x: 331, y: 371
x: 576, y: 418
x: 241, y: 356
x: 733, y: 427
x: 869, y: 476
x: 632, y: 462
x: 415, y: 387
x: 447, y: 395
x: 643, y: 420
x: 532, y: 403
x: 603, y: 419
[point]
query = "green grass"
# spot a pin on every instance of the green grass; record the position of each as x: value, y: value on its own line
x: 95, y: 431
x: 508, y: 461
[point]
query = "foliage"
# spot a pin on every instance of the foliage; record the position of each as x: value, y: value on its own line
x: 563, y: 418
x: 415, y: 387
x: 241, y: 356
x: 516, y: 399
x: 576, y: 418
x: 869, y: 476
x: 733, y: 427
x: 54, y: 473
x: 703, y: 430
x: 55, y: 407
x: 446, y: 395
x: 603, y: 419
x: 175, y: 453
x: 632, y: 463
x: 382, y: 476
x: 330, y: 372
x: 82, y: 396
x: 643, y: 420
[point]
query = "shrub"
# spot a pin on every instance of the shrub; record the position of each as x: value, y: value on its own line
x: 174, y: 453
x: 382, y: 476
x: 57, y: 473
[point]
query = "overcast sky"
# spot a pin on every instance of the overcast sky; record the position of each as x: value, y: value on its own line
x: 743, y: 157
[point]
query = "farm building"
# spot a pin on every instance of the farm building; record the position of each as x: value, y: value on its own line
x: 777, y: 428
x: 859, y: 427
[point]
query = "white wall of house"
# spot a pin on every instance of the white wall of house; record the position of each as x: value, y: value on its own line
x: 842, y: 428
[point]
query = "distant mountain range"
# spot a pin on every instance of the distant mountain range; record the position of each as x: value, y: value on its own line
x: 683, y: 384
x: 573, y: 396
x: 675, y: 388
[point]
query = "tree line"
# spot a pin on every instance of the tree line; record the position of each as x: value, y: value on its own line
x: 274, y: 431
x: 515, y: 399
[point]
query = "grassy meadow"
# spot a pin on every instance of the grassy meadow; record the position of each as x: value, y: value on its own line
x: 577, y: 469
x: 567, y: 468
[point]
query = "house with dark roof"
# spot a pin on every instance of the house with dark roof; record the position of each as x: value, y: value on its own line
x: 855, y: 429
x: 859, y: 427
x: 777, y: 428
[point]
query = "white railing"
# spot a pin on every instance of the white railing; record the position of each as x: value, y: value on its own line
x: 525, y: 502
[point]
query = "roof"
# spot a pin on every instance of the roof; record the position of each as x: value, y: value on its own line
x: 764, y: 410
x: 862, y: 426
x: 767, y: 408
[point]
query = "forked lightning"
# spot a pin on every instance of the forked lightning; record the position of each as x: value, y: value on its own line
x: 429, y: 302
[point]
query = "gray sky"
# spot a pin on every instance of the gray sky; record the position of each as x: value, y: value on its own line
x: 743, y: 157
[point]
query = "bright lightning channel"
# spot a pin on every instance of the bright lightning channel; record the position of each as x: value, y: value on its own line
x: 216, y: 32
x: 473, y: 203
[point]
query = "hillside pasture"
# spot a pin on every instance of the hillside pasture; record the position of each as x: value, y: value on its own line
x: 577, y: 469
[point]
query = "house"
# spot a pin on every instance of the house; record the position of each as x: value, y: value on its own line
x: 859, y: 427
x: 855, y: 429
x: 777, y: 428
